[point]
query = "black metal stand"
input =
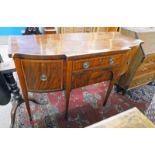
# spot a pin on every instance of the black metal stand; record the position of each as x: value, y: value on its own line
x: 17, y: 97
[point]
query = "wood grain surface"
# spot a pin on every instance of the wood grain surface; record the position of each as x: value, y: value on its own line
x: 66, y: 61
x: 142, y: 67
x: 132, y: 118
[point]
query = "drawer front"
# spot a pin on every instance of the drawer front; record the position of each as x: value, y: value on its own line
x: 141, y: 80
x: 84, y: 78
x: 43, y: 75
x: 104, y: 61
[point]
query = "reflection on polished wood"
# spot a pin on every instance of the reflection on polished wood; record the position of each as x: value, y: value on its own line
x: 72, y: 44
x: 67, y: 61
x: 132, y: 118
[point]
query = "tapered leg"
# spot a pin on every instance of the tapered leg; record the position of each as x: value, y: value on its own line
x: 23, y: 86
x: 27, y: 105
x: 108, y: 91
x: 67, y: 103
x: 68, y: 86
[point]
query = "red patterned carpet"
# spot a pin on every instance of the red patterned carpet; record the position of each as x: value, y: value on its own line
x: 85, y: 108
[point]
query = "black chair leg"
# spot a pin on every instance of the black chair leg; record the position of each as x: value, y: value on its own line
x: 17, y: 97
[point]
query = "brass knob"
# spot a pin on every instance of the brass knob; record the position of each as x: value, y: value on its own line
x: 86, y: 65
x: 111, y: 60
x: 43, y: 77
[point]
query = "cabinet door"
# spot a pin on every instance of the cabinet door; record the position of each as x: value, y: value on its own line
x: 43, y: 75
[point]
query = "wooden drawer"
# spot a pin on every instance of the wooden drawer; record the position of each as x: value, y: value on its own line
x: 43, y: 74
x: 141, y: 80
x: 84, y: 78
x: 104, y: 61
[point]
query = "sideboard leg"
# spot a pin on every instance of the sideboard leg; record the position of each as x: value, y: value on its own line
x: 67, y: 103
x: 17, y: 98
x: 68, y: 86
x: 108, y: 92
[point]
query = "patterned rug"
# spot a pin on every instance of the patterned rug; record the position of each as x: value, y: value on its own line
x: 150, y: 113
x: 85, y: 106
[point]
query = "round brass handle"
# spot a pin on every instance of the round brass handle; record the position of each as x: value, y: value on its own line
x: 43, y: 77
x: 86, y: 65
x: 111, y: 60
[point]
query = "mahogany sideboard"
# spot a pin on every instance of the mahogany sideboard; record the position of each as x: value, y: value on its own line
x: 67, y: 61
x: 142, y: 68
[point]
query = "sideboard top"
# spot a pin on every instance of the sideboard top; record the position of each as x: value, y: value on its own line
x: 71, y: 44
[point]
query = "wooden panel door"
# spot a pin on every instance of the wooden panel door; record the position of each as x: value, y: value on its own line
x: 43, y: 75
